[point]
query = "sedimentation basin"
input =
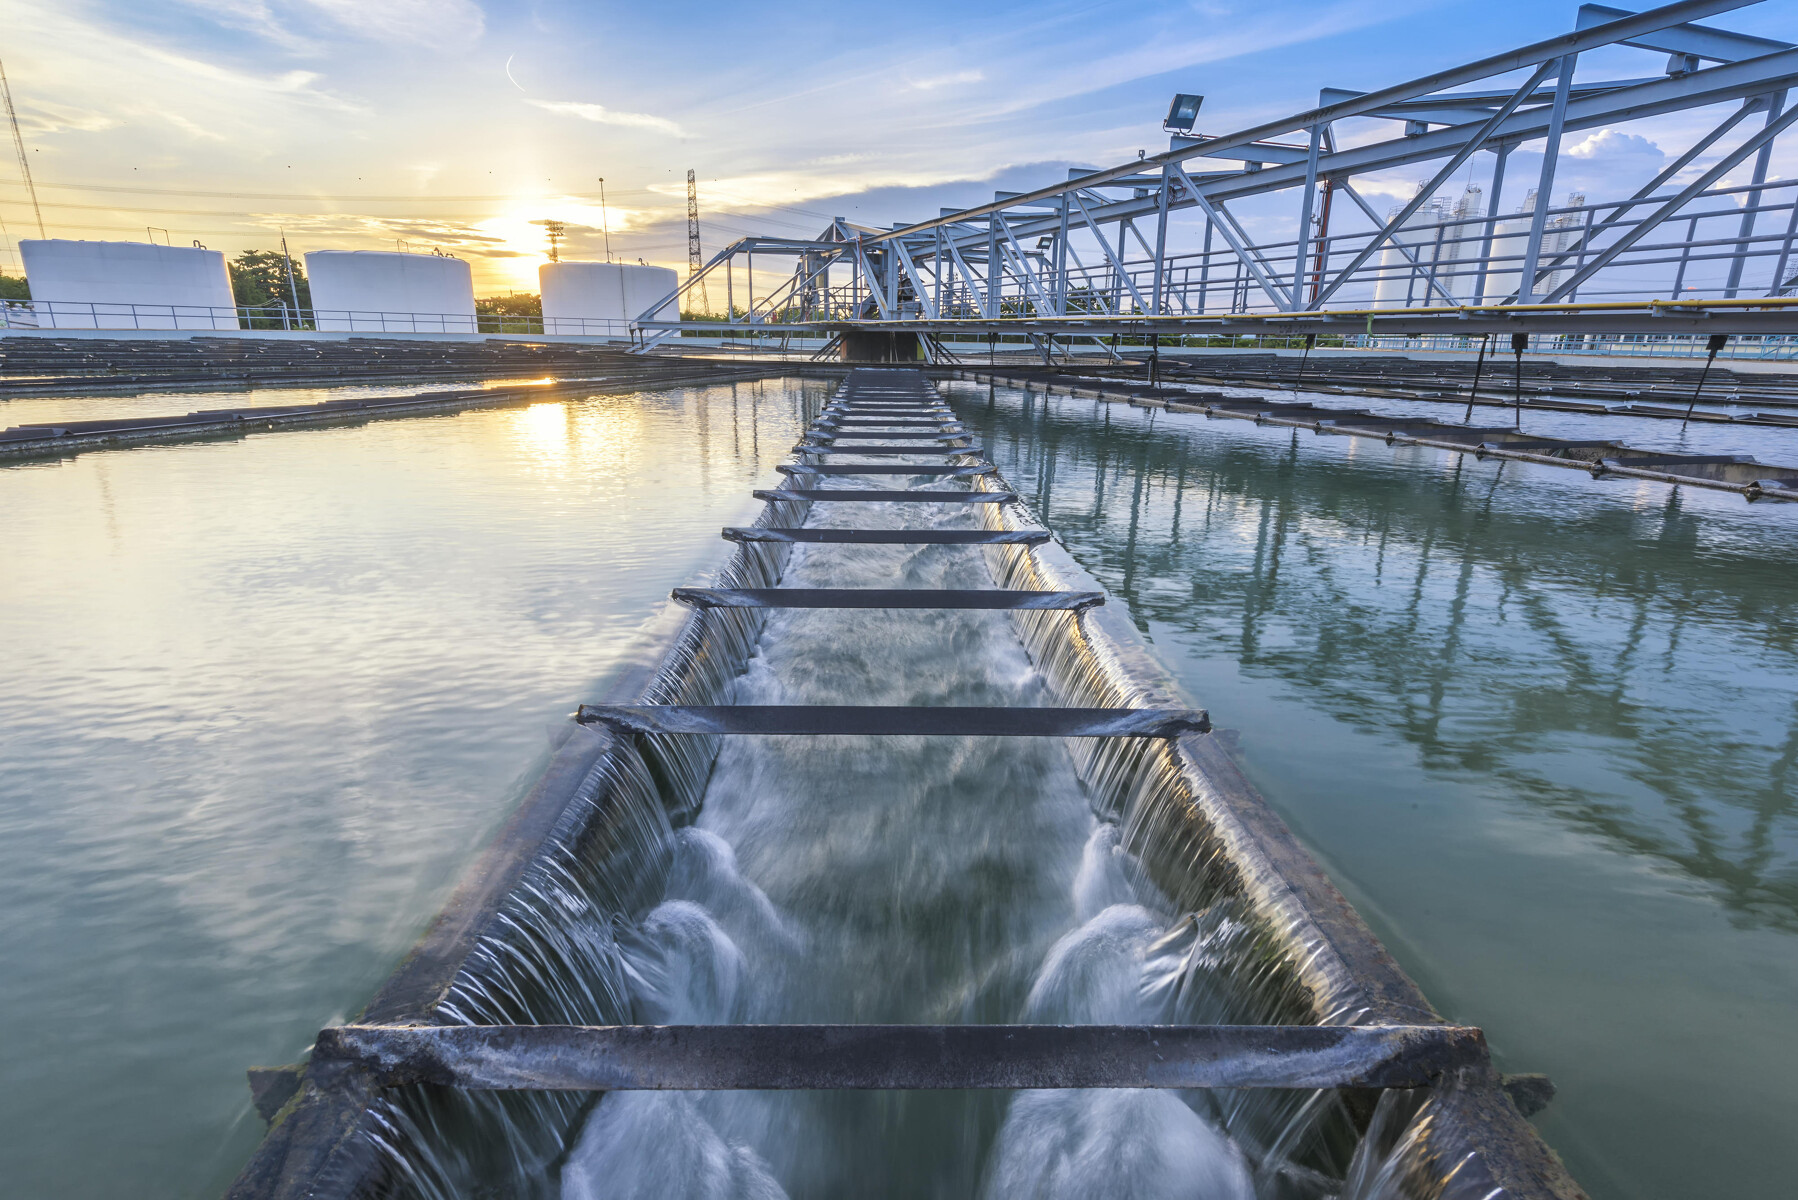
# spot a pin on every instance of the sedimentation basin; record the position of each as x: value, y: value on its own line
x: 1059, y: 455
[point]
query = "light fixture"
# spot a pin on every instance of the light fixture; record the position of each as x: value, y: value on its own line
x: 1182, y: 113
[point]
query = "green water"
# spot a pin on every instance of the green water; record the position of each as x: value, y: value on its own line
x: 262, y: 698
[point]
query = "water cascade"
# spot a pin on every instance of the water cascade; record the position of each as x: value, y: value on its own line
x: 860, y: 879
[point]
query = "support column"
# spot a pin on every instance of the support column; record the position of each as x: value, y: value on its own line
x: 1551, y: 153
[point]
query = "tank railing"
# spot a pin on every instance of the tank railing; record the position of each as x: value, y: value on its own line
x: 77, y: 314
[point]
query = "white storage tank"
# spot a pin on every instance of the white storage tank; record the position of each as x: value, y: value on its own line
x: 380, y: 291
x: 602, y: 298
x: 127, y: 285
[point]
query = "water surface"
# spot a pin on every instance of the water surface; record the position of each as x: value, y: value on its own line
x: 1543, y: 730
x: 263, y: 698
x: 260, y: 701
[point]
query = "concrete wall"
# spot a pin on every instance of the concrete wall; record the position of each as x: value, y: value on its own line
x: 135, y: 285
x: 378, y: 291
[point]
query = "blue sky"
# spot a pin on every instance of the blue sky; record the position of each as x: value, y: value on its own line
x: 455, y: 123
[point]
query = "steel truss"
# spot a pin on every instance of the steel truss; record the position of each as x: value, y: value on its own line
x: 1097, y: 256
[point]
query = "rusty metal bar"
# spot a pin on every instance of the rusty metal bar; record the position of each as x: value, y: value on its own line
x: 899, y: 720
x: 574, y: 1058
x: 893, y: 537
x: 859, y: 495
x: 882, y: 469
x: 889, y: 449
x: 1013, y: 599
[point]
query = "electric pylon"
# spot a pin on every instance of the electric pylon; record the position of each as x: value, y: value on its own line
x: 694, y: 254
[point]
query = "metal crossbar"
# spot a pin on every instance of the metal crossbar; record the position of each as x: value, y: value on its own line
x: 983, y: 598
x: 882, y: 469
x: 587, y: 1058
x: 893, y: 537
x: 902, y: 720
x: 937, y: 434
x: 859, y: 496
x: 884, y: 449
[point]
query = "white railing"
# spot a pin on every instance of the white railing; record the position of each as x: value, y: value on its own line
x: 71, y: 314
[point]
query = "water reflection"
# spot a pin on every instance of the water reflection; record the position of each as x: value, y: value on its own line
x: 1621, y: 660
x: 259, y: 700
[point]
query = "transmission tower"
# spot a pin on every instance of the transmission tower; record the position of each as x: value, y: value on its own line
x: 694, y: 255
x: 557, y: 230
x: 18, y: 142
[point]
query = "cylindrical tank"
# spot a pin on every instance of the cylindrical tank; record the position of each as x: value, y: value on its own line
x: 1510, y: 239
x: 127, y: 285
x: 1403, y: 280
x: 602, y: 298
x: 380, y: 291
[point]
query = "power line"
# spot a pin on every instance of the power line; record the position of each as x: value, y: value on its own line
x: 18, y: 142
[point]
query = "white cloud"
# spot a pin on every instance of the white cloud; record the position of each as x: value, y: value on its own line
x: 608, y: 116
x: 926, y: 85
x: 1609, y: 144
x: 437, y: 24
x: 40, y: 117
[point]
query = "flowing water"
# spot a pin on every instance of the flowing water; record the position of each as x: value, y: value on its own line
x: 272, y: 690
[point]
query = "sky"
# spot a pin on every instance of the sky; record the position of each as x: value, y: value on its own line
x: 455, y: 124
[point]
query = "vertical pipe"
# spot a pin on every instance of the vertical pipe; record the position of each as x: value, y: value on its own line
x: 1478, y: 368
x: 1323, y: 244
x: 1717, y: 342
x: 1775, y: 103
x: 1519, y: 343
x: 1551, y: 153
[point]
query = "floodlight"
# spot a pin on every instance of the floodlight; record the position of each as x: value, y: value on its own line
x: 1182, y: 113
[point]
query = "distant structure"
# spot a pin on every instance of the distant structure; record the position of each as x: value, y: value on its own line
x: 379, y: 291
x: 127, y: 285
x: 1433, y: 257
x: 601, y: 298
x: 695, y: 257
x: 556, y: 230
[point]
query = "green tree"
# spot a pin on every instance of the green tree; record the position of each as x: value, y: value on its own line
x: 14, y: 287
x: 513, y: 304
x: 259, y: 279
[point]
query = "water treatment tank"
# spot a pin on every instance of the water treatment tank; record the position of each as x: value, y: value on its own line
x: 1408, y: 256
x: 379, y: 291
x: 127, y: 285
x: 600, y: 298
